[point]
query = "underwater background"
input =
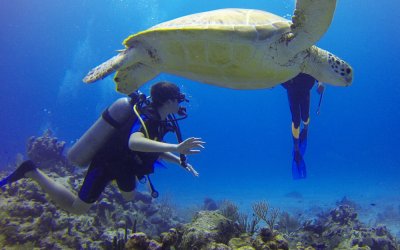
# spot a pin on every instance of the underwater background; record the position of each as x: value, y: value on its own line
x: 48, y: 46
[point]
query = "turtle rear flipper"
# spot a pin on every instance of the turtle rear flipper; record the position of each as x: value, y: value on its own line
x: 103, y: 70
x: 111, y: 65
x: 131, y: 78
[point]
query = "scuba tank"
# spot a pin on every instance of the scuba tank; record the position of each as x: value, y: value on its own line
x: 115, y: 116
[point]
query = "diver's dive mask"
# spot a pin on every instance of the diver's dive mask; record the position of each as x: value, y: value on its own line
x: 181, y: 97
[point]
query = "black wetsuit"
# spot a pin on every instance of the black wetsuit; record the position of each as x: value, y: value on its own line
x: 115, y: 161
x: 298, y: 89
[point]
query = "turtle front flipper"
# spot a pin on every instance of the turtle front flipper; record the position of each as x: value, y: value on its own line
x: 311, y: 19
x: 131, y: 78
x: 124, y: 59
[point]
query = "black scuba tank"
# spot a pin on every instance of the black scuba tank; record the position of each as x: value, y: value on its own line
x: 114, y: 117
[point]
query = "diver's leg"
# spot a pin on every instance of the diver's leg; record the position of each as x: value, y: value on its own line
x: 96, y: 179
x: 294, y: 106
x: 80, y: 207
x: 94, y: 183
x: 305, y: 114
x: 305, y: 103
x: 126, y: 181
x: 58, y: 193
x: 305, y: 109
x: 305, y: 118
x: 304, y: 131
x: 296, y: 142
x: 295, y: 111
x: 298, y: 164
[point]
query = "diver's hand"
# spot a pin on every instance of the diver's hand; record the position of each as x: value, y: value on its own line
x: 192, y: 170
x: 189, y: 146
x: 320, y: 88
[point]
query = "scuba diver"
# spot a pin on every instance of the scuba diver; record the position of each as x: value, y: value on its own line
x: 123, y: 145
x: 298, y: 90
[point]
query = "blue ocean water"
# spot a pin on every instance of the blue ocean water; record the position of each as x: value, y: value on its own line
x: 47, y: 47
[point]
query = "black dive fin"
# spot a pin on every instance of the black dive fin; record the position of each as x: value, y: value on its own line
x: 19, y: 173
x: 3, y: 182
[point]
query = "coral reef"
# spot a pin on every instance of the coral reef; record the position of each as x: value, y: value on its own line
x: 288, y: 223
x: 208, y: 227
x: 47, y: 151
x: 28, y: 220
x: 390, y: 216
x: 26, y: 217
x: 210, y: 230
x: 341, y: 229
x: 348, y: 202
x: 210, y: 204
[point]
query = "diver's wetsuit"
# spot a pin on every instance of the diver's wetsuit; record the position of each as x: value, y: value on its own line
x: 115, y: 161
x: 298, y: 89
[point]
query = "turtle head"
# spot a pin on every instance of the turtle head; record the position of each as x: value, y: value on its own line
x: 328, y: 68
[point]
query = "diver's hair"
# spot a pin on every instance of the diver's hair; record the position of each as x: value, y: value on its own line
x: 162, y: 92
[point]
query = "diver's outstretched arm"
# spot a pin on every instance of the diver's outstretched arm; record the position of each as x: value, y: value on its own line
x: 175, y: 159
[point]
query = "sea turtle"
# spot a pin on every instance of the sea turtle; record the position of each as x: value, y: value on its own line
x: 233, y: 48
